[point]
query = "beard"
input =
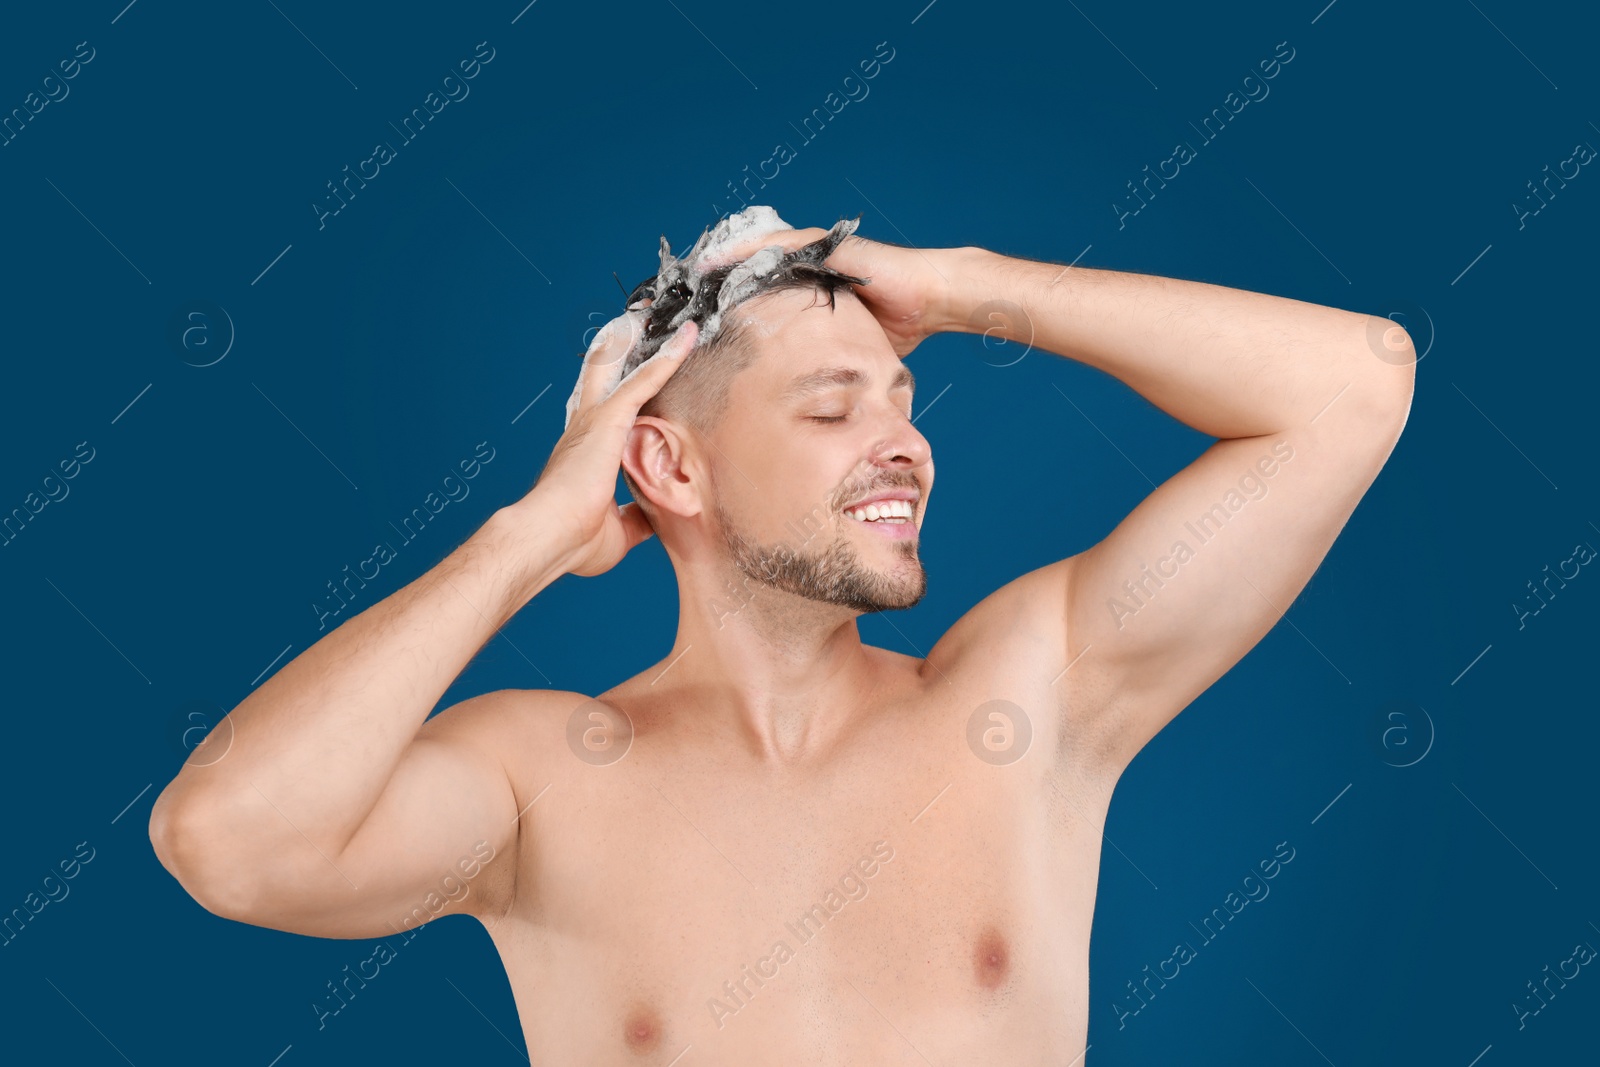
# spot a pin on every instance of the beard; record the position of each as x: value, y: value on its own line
x: 833, y: 574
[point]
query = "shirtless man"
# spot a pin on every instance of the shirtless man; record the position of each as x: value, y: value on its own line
x: 777, y: 844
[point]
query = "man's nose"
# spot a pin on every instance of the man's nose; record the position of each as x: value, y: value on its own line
x: 902, y: 445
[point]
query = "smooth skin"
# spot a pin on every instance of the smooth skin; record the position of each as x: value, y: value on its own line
x: 652, y: 906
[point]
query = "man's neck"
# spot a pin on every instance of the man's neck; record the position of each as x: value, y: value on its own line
x: 782, y: 675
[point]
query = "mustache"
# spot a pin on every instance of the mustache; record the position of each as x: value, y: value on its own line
x: 863, y: 491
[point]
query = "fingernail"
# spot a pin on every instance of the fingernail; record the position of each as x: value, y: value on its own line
x: 681, y: 347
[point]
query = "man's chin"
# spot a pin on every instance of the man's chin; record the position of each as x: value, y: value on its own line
x: 870, y: 589
x: 902, y: 604
x: 897, y: 591
x: 844, y: 573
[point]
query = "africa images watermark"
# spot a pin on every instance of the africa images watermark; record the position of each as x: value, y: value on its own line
x: 55, y: 490
x: 33, y: 104
x: 1582, y: 954
x: 54, y: 888
x: 740, y: 990
x: 385, y: 152
x: 1252, y: 486
x: 1184, y: 952
x: 1582, y: 553
x: 455, y: 490
x: 1582, y: 153
x: 452, y: 888
x: 855, y: 90
x: 1184, y: 153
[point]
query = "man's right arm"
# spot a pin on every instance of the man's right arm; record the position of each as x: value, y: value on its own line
x: 327, y: 803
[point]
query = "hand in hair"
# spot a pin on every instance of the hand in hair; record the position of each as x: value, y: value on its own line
x: 909, y: 290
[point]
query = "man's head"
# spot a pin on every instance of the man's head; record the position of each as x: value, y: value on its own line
x: 698, y: 393
x: 749, y: 457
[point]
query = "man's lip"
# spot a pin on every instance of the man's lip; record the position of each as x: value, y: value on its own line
x: 895, y: 494
x: 906, y: 530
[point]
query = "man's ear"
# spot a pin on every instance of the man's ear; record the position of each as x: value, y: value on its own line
x: 655, y: 455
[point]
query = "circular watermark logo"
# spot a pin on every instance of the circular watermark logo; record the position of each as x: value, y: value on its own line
x: 597, y: 322
x: 200, y: 333
x: 1386, y: 333
x: 598, y: 733
x: 201, y: 731
x: 991, y: 321
x: 1402, y: 733
x: 608, y: 340
x: 999, y: 732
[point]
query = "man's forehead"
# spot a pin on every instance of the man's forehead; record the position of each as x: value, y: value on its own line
x: 807, y: 383
x: 817, y: 346
x: 803, y: 313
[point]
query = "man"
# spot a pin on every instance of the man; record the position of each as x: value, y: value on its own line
x: 778, y: 844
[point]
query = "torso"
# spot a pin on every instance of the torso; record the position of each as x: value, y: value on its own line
x: 659, y: 899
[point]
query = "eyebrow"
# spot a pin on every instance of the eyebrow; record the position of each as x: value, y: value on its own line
x: 831, y: 377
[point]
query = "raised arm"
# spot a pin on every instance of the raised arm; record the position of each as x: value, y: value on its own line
x: 1306, y: 401
x: 1306, y: 413
x: 327, y: 803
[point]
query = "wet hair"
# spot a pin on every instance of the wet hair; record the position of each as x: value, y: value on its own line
x: 679, y: 293
x: 697, y: 393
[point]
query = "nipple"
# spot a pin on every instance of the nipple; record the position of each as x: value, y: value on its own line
x: 641, y: 1032
x: 991, y: 958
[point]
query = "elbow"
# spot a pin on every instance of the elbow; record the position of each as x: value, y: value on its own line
x: 1394, y: 372
x: 1380, y: 381
x: 192, y: 846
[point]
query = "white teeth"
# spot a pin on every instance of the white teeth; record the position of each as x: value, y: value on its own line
x: 890, y: 510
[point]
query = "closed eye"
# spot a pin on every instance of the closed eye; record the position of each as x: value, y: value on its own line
x: 827, y: 418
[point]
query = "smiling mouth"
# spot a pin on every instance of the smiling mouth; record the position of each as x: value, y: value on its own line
x: 892, y: 524
x: 887, y: 511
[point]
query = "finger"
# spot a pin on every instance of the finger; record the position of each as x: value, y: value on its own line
x: 788, y: 240
x: 645, y: 380
x: 602, y: 364
x: 636, y: 527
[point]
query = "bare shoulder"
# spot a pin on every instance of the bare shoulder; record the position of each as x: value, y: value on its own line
x: 504, y: 722
x: 1024, y: 617
x: 523, y: 731
x: 484, y: 717
x: 520, y: 734
x: 1015, y: 640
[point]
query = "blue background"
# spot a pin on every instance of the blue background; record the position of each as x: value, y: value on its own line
x: 368, y: 356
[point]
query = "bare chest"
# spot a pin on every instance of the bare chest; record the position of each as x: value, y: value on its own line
x: 919, y: 897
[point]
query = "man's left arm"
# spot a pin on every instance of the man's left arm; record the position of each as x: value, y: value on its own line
x: 1306, y: 414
